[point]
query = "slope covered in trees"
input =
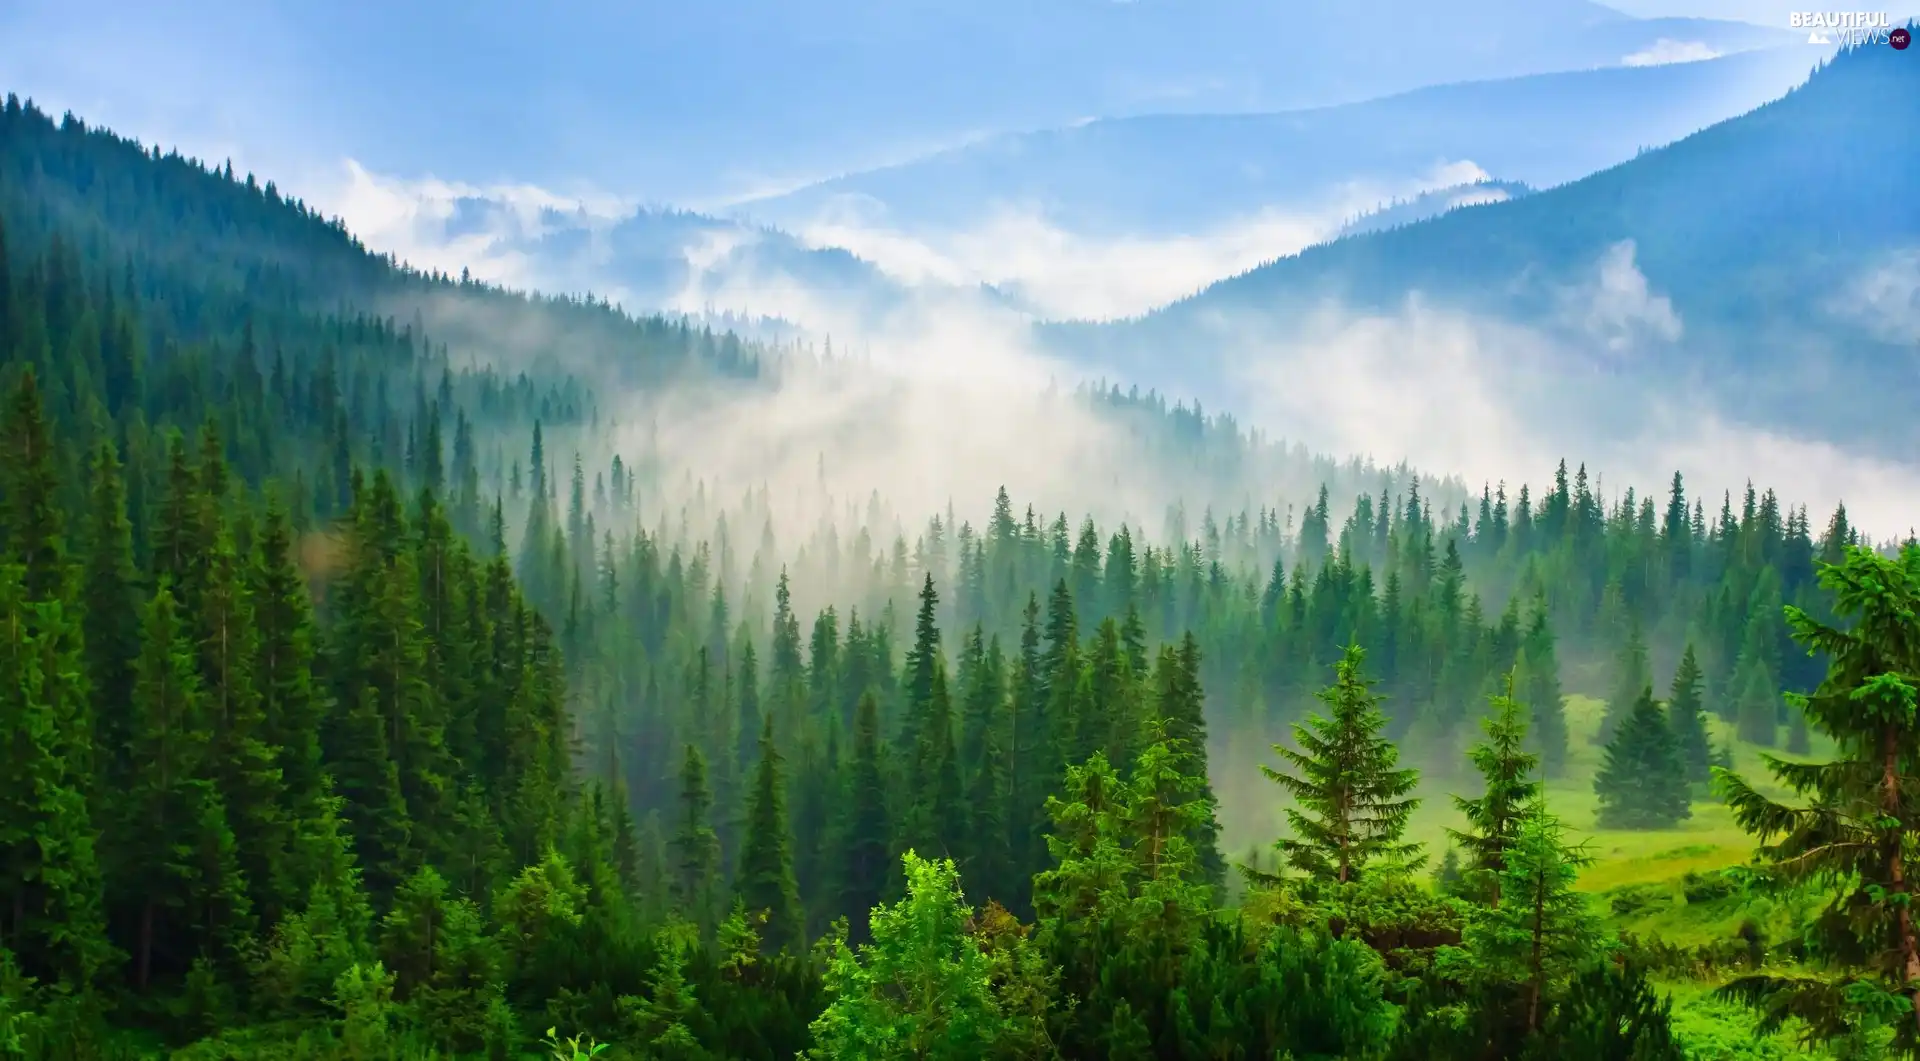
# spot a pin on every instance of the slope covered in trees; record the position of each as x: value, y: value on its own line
x: 352, y: 708
x: 1740, y: 226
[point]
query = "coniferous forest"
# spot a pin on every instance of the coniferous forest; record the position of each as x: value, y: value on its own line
x: 362, y: 700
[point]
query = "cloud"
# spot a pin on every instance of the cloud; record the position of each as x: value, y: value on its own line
x: 1885, y: 298
x: 947, y: 399
x: 1664, y: 51
x: 1060, y: 273
x: 449, y: 225
x: 1619, y: 309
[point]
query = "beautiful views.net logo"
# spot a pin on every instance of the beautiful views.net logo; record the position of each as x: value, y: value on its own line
x: 1850, y: 28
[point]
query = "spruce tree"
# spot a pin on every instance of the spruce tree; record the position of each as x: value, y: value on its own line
x: 1539, y: 688
x: 1632, y: 673
x: 50, y: 901
x: 1521, y: 952
x: 1686, y: 710
x: 1512, y: 792
x: 766, y: 882
x: 31, y: 524
x: 178, y: 867
x: 1352, y: 795
x: 1642, y: 782
x: 1181, y: 706
x: 866, y: 830
x: 290, y: 703
x: 110, y: 598
x: 696, y: 847
x: 1852, y: 839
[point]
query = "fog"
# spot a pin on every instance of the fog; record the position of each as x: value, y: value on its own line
x: 945, y: 396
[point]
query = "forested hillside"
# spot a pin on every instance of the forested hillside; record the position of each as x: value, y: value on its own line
x: 357, y: 703
x: 1734, y: 225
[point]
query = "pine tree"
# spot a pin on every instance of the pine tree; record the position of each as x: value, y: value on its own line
x: 1539, y: 687
x: 110, y: 596
x: 921, y: 661
x: 1642, y: 782
x: 1756, y: 699
x: 1686, y: 709
x: 922, y: 988
x: 766, y: 882
x: 31, y: 525
x: 1352, y: 795
x: 50, y: 901
x: 1181, y: 706
x: 178, y: 866
x: 1523, y: 950
x: 1632, y: 673
x: 1852, y: 840
x: 290, y: 704
x: 866, y: 828
x: 244, y: 764
x: 696, y: 847
x: 1512, y: 792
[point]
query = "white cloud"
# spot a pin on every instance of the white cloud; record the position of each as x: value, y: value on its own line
x: 1885, y: 299
x: 1061, y: 273
x: 450, y: 225
x: 1619, y: 308
x: 1664, y: 51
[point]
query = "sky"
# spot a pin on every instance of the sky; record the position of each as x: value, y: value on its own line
x: 689, y: 104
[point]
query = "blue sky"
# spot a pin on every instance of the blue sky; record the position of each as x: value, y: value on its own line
x: 657, y: 100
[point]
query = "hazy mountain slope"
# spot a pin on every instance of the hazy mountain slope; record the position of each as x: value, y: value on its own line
x: 243, y: 249
x: 1785, y: 242
x: 1181, y: 172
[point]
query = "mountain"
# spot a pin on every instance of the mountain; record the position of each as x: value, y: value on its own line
x: 1779, y: 252
x: 729, y: 97
x: 1433, y: 204
x: 244, y: 250
x: 1182, y: 173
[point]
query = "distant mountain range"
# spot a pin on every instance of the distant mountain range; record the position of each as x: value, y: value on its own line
x: 1773, y: 258
x: 704, y: 103
x: 1183, y: 173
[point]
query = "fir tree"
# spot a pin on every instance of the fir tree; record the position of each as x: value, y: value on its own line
x: 111, y: 600
x: 1632, y: 673
x: 866, y: 831
x: 766, y: 882
x: 1852, y: 839
x: 1642, y: 782
x: 1686, y: 710
x: 1352, y: 795
x: 50, y: 902
x: 696, y: 848
x: 1494, y: 818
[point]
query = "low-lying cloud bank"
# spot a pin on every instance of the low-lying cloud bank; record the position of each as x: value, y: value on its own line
x: 943, y: 401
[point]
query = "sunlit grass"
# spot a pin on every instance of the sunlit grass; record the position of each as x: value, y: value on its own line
x: 1707, y: 841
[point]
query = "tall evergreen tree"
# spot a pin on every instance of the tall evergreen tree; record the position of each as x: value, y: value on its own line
x: 1352, y: 795
x: 696, y: 847
x: 1512, y: 792
x: 1642, y: 782
x: 866, y: 830
x: 1686, y: 711
x: 1853, y: 837
x: 766, y: 881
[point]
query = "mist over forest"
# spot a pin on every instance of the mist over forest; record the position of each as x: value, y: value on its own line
x: 1454, y: 600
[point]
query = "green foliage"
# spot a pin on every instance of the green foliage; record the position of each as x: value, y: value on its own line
x: 922, y: 988
x: 1643, y: 782
x: 1853, y: 836
x: 1353, y: 796
x: 325, y: 738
